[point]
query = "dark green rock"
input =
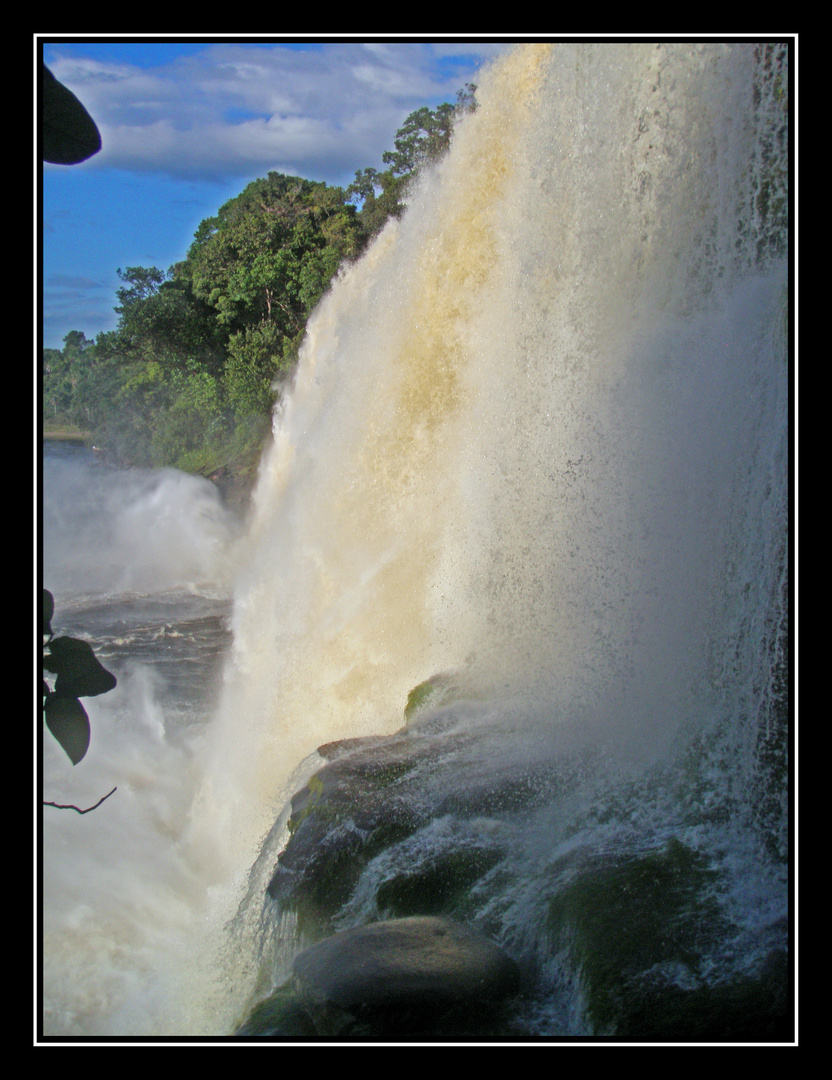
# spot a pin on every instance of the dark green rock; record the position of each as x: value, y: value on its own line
x: 438, y: 885
x: 366, y: 798
x: 348, y: 812
x: 374, y: 793
x: 419, y: 975
x: 637, y: 929
x: 750, y: 1008
x: 280, y: 1014
x: 435, y: 691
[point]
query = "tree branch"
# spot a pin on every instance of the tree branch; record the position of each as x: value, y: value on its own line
x: 60, y: 806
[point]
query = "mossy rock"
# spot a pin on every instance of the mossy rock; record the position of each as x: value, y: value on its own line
x: 316, y: 891
x: 374, y: 793
x: 621, y: 916
x: 280, y: 1014
x: 440, y: 689
x: 750, y: 1008
x: 438, y: 886
x: 349, y: 811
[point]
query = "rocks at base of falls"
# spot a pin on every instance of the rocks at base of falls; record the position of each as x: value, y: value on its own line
x: 377, y: 794
x: 280, y: 1015
x: 635, y: 927
x: 421, y: 828
x: 420, y: 970
x: 414, y: 975
x: 420, y: 977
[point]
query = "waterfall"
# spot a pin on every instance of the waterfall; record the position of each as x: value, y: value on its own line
x: 537, y: 437
x: 522, y: 423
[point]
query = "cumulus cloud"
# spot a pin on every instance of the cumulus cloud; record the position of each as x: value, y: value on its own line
x: 236, y: 109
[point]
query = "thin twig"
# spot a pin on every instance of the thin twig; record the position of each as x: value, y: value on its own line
x: 60, y: 806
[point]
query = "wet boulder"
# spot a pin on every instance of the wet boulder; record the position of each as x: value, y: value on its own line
x: 404, y: 977
x: 351, y: 809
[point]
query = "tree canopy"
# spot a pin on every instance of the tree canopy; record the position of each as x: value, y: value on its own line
x: 190, y: 375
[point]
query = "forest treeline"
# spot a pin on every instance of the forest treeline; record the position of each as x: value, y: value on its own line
x: 190, y: 375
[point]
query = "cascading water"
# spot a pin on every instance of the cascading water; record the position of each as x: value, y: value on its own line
x: 538, y: 439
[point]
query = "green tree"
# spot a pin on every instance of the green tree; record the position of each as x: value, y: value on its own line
x: 70, y: 381
x: 422, y: 140
x: 255, y: 360
x: 57, y: 384
x: 381, y: 195
x: 193, y: 367
x: 426, y: 134
x: 247, y: 261
x: 162, y: 320
x: 159, y: 374
x: 142, y: 283
x: 186, y: 430
x: 262, y: 264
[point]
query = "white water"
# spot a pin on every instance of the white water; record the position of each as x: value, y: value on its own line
x: 539, y: 435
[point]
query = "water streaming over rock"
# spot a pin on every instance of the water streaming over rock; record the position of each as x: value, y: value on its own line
x: 537, y: 440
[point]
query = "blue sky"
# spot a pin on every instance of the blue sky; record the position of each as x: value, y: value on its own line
x: 185, y: 125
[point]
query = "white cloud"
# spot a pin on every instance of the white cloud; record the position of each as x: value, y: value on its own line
x: 238, y: 110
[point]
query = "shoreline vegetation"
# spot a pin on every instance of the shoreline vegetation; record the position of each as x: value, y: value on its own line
x: 66, y: 434
x: 234, y: 484
x: 202, y: 352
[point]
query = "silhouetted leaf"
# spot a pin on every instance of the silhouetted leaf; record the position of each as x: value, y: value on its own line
x: 69, y: 133
x: 48, y: 612
x: 79, y: 672
x: 66, y: 719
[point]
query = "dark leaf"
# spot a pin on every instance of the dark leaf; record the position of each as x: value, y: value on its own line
x: 66, y: 719
x: 68, y: 131
x: 79, y: 672
x: 48, y: 612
